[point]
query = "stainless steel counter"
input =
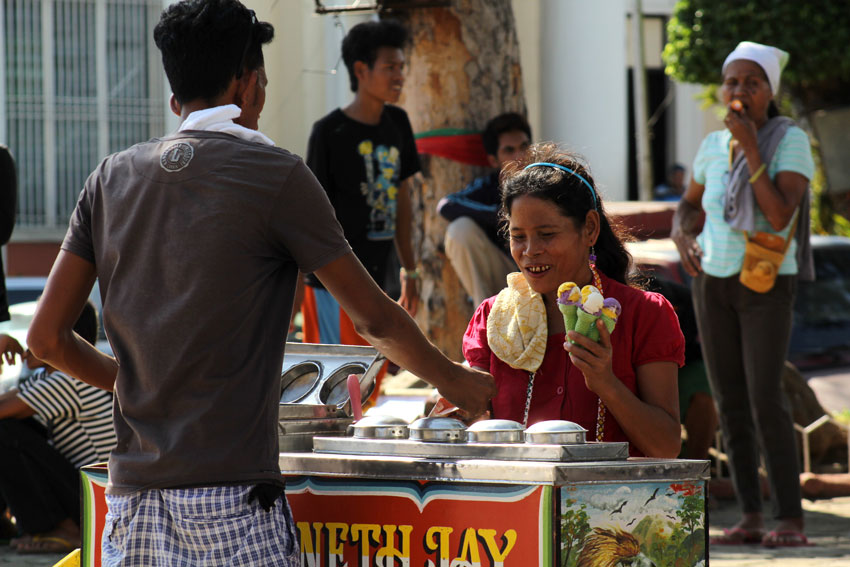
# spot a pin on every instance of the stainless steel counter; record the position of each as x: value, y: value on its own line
x: 488, y: 470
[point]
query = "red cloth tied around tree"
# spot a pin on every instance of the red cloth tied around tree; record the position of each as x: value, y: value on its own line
x: 464, y: 146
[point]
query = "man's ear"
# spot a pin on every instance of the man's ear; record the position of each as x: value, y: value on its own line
x: 175, y: 106
x: 245, y: 87
x: 493, y: 161
x: 360, y: 69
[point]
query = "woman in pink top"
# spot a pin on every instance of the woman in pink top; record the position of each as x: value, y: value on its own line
x: 623, y: 388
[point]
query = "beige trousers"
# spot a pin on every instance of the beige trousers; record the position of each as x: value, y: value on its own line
x: 480, y: 265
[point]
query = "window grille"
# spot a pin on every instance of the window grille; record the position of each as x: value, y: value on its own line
x: 82, y: 79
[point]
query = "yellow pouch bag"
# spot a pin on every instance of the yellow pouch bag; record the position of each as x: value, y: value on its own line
x: 763, y: 255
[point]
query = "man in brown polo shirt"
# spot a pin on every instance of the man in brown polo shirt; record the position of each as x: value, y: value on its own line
x: 196, y: 239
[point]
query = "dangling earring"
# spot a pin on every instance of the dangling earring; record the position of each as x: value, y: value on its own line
x: 591, y: 261
x: 600, y: 405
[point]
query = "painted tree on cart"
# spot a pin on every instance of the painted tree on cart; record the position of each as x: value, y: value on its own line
x: 463, y: 69
x: 575, y: 525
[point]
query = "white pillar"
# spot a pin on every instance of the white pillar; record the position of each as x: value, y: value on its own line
x: 584, y: 91
x: 48, y: 82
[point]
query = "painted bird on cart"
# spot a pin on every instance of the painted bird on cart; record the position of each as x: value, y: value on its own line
x: 612, y: 548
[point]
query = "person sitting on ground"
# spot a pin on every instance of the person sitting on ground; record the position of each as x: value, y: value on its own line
x: 50, y: 426
x: 474, y: 246
x: 674, y: 186
x: 622, y: 388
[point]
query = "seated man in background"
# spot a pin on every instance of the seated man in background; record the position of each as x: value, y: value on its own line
x: 674, y: 185
x: 477, y: 251
x: 50, y: 426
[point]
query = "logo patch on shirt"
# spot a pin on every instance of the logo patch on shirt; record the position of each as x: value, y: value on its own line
x: 176, y: 157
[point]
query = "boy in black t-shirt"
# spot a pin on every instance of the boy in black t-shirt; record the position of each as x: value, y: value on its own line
x: 364, y: 155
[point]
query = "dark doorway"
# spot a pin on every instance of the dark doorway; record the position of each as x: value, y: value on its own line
x: 657, y: 85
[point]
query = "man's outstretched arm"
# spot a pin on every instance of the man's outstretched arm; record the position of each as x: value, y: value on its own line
x: 388, y: 327
x: 51, y: 336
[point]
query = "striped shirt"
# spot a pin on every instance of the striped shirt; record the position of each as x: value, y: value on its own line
x: 723, y: 246
x: 78, y: 416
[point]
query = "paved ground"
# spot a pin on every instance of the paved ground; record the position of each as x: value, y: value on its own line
x: 828, y: 526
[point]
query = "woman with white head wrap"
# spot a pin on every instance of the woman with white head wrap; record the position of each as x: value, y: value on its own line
x: 751, y: 177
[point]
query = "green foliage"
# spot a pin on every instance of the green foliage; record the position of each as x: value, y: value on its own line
x: 816, y: 33
x: 684, y: 545
x: 575, y: 526
x: 842, y: 416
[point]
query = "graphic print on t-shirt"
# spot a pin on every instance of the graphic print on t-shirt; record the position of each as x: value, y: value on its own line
x: 380, y: 188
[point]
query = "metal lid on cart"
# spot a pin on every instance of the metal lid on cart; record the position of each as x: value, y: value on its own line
x: 495, y: 431
x: 380, y: 427
x: 556, y: 432
x: 438, y: 429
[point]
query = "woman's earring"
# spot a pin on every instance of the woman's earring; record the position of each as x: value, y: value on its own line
x: 591, y: 261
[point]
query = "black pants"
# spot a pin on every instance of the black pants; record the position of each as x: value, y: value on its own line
x: 744, y: 338
x: 40, y: 486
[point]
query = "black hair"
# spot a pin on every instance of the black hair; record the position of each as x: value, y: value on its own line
x: 507, y: 122
x: 772, y: 109
x: 571, y: 196
x: 86, y: 325
x: 675, y: 167
x: 207, y: 43
x: 364, y: 40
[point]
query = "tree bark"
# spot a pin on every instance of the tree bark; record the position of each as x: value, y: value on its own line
x: 463, y: 69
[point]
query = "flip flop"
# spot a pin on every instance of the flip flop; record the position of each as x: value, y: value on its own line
x: 738, y: 536
x: 785, y: 538
x: 46, y: 544
x: 16, y: 541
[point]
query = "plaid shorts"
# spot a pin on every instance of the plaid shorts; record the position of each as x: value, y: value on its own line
x: 216, y: 525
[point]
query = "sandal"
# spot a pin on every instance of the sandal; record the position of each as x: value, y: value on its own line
x: 785, y: 538
x: 46, y: 544
x: 738, y: 536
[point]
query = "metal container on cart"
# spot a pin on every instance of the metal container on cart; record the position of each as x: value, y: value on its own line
x: 368, y: 501
x: 314, y: 395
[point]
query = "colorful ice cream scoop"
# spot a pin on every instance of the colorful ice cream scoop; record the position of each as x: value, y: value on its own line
x: 569, y: 296
x: 588, y: 312
x: 611, y: 310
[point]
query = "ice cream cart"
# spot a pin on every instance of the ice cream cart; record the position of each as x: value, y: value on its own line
x: 435, y: 493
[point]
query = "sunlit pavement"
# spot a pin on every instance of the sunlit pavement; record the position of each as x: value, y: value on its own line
x: 827, y: 527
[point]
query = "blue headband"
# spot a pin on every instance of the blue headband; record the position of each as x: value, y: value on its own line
x: 568, y: 170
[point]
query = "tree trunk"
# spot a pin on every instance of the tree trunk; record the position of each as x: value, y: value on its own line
x: 463, y: 69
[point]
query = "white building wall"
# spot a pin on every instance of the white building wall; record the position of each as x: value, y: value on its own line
x: 574, y: 55
x: 583, y: 85
x: 307, y: 78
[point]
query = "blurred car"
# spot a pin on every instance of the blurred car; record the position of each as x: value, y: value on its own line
x: 20, y: 289
x: 820, y: 336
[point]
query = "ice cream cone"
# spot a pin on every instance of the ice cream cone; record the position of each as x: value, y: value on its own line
x: 586, y: 324
x: 588, y: 312
x: 611, y: 310
x: 569, y: 297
